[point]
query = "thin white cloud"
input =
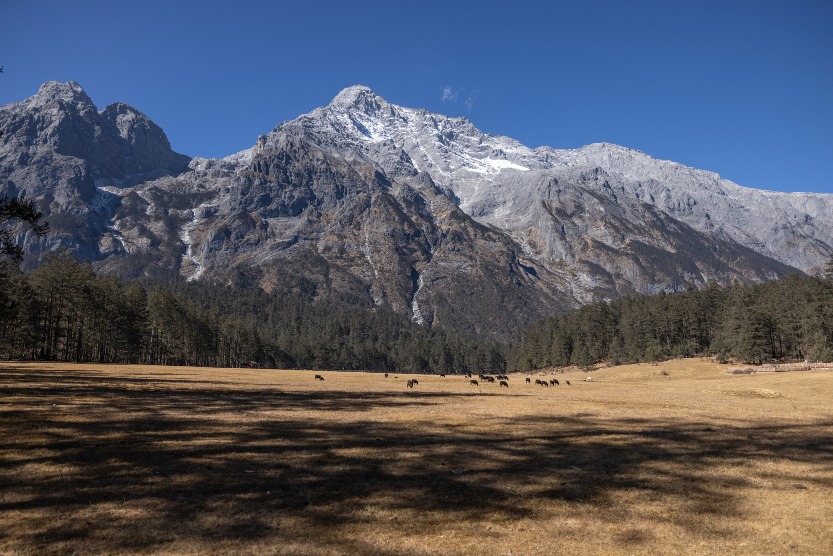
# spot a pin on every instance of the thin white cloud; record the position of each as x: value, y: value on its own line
x: 449, y: 94
x: 472, y: 99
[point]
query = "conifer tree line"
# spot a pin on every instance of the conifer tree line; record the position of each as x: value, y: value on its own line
x: 63, y: 311
x: 787, y: 319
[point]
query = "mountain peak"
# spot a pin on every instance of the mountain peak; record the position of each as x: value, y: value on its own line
x: 68, y: 92
x: 358, y: 97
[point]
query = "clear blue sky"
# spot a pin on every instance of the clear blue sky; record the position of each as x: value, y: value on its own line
x: 742, y: 88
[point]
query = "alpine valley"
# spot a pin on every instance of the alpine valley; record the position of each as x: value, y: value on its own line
x: 378, y: 204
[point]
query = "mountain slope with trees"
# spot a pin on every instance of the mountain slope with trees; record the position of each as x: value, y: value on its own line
x: 788, y: 319
x: 63, y: 311
x: 369, y: 204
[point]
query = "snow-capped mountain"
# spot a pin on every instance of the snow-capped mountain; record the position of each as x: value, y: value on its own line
x: 390, y: 205
x: 498, y: 181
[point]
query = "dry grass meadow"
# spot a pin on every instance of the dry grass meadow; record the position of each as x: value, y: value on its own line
x: 152, y: 460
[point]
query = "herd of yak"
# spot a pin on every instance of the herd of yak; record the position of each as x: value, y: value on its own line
x: 503, y: 380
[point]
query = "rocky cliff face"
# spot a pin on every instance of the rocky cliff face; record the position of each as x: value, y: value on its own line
x: 57, y: 149
x: 390, y: 205
x: 295, y: 217
x: 500, y: 182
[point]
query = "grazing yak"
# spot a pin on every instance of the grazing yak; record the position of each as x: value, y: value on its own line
x: 474, y: 382
x: 319, y: 377
x: 528, y: 380
x: 568, y: 382
x: 410, y: 384
x: 554, y: 382
x: 504, y: 384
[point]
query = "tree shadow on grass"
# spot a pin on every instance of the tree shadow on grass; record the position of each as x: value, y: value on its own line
x: 101, y: 466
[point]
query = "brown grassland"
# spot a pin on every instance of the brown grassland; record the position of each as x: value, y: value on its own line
x: 169, y: 460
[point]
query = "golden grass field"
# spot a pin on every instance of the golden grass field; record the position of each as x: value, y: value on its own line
x: 168, y: 460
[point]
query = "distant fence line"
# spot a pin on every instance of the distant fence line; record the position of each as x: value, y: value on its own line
x: 778, y: 368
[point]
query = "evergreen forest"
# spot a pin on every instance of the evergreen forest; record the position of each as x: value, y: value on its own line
x: 64, y: 311
x: 783, y: 320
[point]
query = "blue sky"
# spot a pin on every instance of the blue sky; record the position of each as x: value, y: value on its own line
x: 742, y: 88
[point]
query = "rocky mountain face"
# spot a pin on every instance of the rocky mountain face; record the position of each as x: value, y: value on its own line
x: 59, y: 149
x: 381, y: 204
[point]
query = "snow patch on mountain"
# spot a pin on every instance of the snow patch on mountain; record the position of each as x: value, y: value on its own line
x: 416, y: 312
x: 192, y: 266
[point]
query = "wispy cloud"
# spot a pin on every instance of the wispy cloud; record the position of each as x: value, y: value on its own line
x: 472, y: 99
x: 449, y: 94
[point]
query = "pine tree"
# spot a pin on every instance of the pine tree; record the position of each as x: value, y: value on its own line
x: 17, y: 215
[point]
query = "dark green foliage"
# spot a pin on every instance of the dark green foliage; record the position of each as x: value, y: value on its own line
x: 788, y: 319
x: 17, y: 214
x: 63, y: 311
